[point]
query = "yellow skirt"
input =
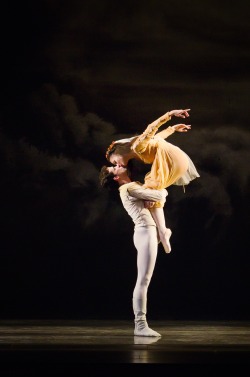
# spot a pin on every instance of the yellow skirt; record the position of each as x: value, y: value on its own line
x: 170, y: 166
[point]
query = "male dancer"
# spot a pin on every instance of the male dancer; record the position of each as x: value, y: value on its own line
x: 135, y: 198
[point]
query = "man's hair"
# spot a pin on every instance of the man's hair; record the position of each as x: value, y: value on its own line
x: 106, y: 179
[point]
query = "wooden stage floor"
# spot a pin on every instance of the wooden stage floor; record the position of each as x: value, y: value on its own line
x: 97, y: 348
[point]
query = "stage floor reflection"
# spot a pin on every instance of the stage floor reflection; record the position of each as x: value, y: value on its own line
x: 110, y: 346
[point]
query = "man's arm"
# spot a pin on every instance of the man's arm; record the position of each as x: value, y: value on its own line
x: 139, y: 192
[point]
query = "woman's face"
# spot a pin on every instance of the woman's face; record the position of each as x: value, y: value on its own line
x: 117, y: 159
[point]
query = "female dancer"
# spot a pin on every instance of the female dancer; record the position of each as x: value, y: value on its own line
x: 170, y: 164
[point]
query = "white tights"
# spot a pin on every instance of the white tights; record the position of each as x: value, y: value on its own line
x: 146, y: 243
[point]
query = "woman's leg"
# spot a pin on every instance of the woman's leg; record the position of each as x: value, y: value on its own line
x: 146, y: 243
x: 164, y: 233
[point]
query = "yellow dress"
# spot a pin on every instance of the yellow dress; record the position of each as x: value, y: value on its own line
x: 170, y: 165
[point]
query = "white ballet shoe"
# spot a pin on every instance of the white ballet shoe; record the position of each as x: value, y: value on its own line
x: 147, y: 331
x: 142, y: 329
x: 165, y: 240
x: 141, y: 325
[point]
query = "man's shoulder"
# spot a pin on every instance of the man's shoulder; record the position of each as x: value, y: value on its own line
x: 130, y: 186
x: 134, y: 185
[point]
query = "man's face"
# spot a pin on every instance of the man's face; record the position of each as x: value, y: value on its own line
x: 117, y: 170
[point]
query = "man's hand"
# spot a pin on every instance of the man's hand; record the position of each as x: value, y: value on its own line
x: 182, y: 127
x: 148, y: 204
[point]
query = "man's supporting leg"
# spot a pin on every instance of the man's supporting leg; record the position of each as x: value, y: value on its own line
x: 145, y: 239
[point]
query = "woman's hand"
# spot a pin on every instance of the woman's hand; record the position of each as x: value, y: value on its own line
x: 182, y: 127
x: 179, y: 113
x: 148, y: 204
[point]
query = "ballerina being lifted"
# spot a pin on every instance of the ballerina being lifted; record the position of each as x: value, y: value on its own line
x: 170, y: 165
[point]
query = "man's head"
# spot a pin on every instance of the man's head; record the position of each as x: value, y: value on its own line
x: 112, y: 177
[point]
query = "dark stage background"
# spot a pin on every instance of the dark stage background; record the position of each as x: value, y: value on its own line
x: 77, y: 75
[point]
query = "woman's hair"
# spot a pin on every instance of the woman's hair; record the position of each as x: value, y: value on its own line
x: 118, y: 148
x: 106, y: 179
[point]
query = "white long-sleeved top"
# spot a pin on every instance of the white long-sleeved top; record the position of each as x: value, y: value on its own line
x: 133, y: 195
